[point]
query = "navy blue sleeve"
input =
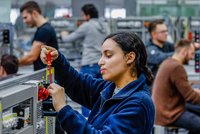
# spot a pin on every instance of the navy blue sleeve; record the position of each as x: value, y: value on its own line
x: 81, y: 88
x: 132, y: 118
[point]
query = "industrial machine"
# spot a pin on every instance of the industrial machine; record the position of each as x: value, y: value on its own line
x: 22, y: 110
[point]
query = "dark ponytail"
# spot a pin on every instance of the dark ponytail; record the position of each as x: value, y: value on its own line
x: 148, y: 75
x: 130, y: 42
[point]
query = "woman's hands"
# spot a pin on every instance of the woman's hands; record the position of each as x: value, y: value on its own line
x: 58, y: 96
x: 45, y: 50
x: 57, y: 92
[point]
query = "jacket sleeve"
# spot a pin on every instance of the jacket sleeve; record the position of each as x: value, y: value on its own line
x: 179, y: 76
x: 81, y: 88
x: 155, y: 56
x: 77, y: 34
x: 131, y: 118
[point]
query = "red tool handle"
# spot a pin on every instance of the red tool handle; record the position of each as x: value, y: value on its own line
x: 49, y: 58
x: 42, y: 91
x: 49, y: 66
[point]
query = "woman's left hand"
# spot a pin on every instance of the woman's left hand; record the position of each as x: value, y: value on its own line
x: 58, y: 96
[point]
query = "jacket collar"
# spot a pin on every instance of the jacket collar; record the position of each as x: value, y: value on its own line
x: 126, y: 91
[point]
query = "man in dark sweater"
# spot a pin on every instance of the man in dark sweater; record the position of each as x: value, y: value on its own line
x: 171, y: 90
x: 45, y: 34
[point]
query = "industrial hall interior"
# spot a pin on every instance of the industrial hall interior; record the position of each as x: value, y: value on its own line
x: 99, y: 66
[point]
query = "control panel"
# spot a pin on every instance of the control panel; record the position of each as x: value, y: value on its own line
x: 17, y: 117
x: 23, y: 108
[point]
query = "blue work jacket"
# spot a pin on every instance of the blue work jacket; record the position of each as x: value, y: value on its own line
x: 130, y: 111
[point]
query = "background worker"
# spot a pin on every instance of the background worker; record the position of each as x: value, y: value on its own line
x: 158, y: 48
x: 171, y: 91
x: 8, y: 66
x: 45, y: 34
x: 92, y: 31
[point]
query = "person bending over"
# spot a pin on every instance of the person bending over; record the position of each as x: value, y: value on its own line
x: 8, y: 66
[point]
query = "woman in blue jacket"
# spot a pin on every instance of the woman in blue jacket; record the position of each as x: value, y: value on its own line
x: 119, y: 103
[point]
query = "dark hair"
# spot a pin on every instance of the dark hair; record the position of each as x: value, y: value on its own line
x: 153, y: 24
x: 10, y: 63
x: 183, y: 43
x: 90, y: 9
x: 30, y: 6
x: 130, y: 42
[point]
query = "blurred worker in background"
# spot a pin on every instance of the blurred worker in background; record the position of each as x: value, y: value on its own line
x: 8, y: 66
x: 119, y: 103
x: 171, y: 91
x: 45, y: 34
x: 158, y: 49
x: 93, y: 31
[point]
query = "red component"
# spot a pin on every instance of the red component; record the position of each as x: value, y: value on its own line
x: 190, y: 36
x: 42, y: 93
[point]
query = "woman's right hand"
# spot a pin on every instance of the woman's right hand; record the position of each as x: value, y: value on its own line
x: 58, y: 96
x: 45, y: 50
